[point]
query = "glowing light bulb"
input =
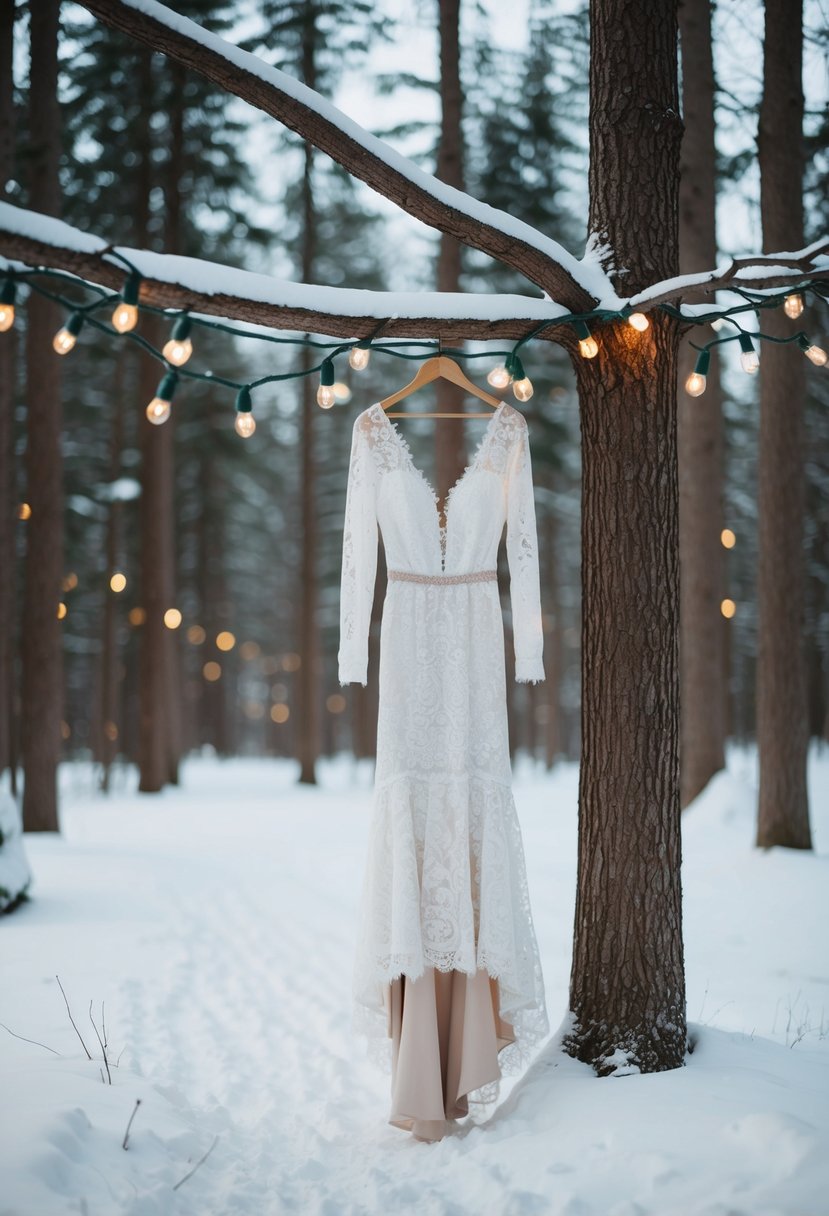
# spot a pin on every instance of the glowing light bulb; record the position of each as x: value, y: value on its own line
x: 125, y: 317
x: 749, y: 359
x: 358, y: 358
x: 727, y: 538
x: 588, y: 346
x: 817, y: 354
x: 7, y: 294
x: 179, y: 348
x: 728, y: 608
x: 718, y: 323
x: 65, y: 339
x: 523, y: 388
x: 639, y: 321
x: 245, y: 424
x: 158, y: 410
x: 176, y: 352
x: 793, y: 305
x: 695, y: 384
x: 326, y: 395
x: 117, y: 582
x: 499, y: 377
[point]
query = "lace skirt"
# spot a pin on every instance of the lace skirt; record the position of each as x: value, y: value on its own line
x: 445, y: 885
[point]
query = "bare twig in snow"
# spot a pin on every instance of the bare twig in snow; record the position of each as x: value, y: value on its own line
x: 72, y: 1020
x: 25, y: 1040
x: 101, y: 1041
x: 196, y: 1166
x: 129, y: 1124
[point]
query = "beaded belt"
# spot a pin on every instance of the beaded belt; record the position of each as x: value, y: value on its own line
x: 476, y: 576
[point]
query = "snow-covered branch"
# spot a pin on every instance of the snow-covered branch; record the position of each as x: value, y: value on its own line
x: 242, y: 295
x: 562, y: 276
x: 763, y: 272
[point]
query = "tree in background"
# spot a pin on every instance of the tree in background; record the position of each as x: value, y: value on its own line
x: 703, y: 675
x: 42, y: 699
x: 782, y: 716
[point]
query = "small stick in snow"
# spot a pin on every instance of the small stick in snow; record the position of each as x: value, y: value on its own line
x: 129, y: 1124
x: 101, y: 1041
x: 25, y: 1040
x: 196, y: 1166
x: 72, y: 1020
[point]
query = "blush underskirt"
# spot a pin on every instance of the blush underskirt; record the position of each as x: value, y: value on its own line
x: 446, y: 1034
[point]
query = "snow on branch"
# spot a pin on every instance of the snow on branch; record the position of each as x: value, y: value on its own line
x: 562, y: 276
x: 199, y: 286
x: 763, y: 272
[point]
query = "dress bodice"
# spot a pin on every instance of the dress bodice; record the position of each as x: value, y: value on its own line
x: 387, y: 490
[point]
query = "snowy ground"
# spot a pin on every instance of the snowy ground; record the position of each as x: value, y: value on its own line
x: 216, y: 924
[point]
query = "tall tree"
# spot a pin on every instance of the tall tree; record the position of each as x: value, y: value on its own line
x: 782, y: 723
x: 700, y: 433
x: 627, y: 985
x: 42, y: 700
x: 8, y: 361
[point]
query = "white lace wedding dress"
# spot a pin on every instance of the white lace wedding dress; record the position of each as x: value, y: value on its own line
x: 445, y: 883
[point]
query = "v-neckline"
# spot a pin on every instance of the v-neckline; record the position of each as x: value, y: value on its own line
x: 404, y: 445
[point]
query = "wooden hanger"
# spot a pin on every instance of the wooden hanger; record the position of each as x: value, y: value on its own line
x: 440, y: 366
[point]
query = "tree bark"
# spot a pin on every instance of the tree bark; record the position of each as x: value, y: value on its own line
x: 450, y: 442
x: 8, y: 479
x: 109, y: 719
x: 42, y: 701
x: 307, y: 734
x: 627, y: 985
x: 700, y: 434
x: 782, y: 728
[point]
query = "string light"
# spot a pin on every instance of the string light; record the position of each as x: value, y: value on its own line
x: 325, y: 393
x: 695, y: 384
x: 522, y: 386
x: 728, y: 608
x: 639, y: 321
x: 117, y: 582
x: 749, y: 359
x: 245, y: 423
x: 793, y: 305
x: 7, y: 296
x: 66, y: 337
x: 172, y: 618
x: 179, y: 348
x: 125, y: 316
x: 817, y: 354
x: 358, y: 357
x: 588, y: 346
x: 727, y: 538
x: 158, y: 410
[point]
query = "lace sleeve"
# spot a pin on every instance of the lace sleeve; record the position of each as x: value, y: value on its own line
x: 522, y: 556
x: 359, y: 568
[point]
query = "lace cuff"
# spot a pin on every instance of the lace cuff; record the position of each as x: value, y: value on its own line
x: 522, y: 556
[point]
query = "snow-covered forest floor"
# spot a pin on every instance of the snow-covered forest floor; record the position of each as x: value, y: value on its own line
x: 215, y: 922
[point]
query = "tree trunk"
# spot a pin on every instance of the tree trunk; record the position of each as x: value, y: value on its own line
x: 450, y: 441
x: 109, y: 718
x: 782, y: 730
x: 8, y: 480
x: 307, y: 685
x: 700, y: 434
x: 627, y: 985
x: 155, y: 508
x: 42, y: 702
